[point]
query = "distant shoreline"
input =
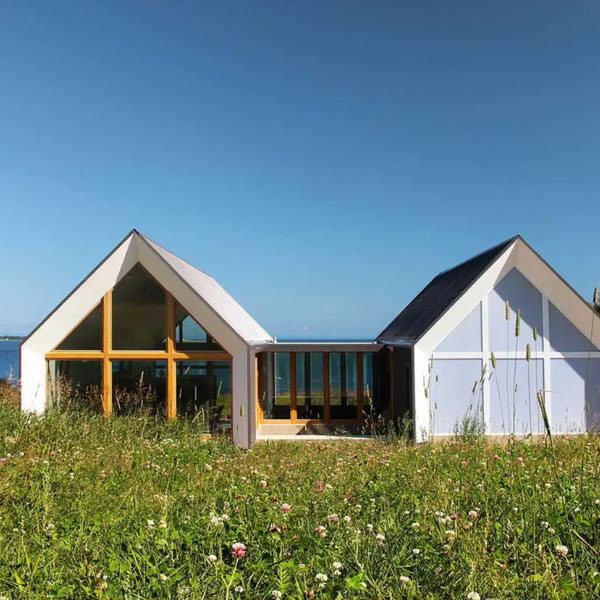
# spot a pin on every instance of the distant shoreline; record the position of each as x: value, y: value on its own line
x: 11, y: 338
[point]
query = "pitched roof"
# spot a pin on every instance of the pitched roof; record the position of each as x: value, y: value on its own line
x: 214, y: 295
x: 441, y: 293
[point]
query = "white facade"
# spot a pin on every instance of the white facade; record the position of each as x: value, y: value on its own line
x: 232, y: 327
x: 453, y: 372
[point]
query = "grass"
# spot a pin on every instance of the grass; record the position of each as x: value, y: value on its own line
x: 134, y: 508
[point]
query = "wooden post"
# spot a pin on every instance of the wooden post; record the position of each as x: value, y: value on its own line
x: 106, y: 348
x: 293, y: 407
x: 171, y: 365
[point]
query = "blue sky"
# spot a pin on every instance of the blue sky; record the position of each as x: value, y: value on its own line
x: 323, y: 160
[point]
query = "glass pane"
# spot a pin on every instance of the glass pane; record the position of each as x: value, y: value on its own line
x: 189, y: 335
x: 275, y: 373
x: 368, y: 381
x: 75, y: 384
x: 204, y: 393
x: 139, y: 312
x: 342, y: 385
x: 87, y: 335
x: 139, y: 387
x: 309, y: 385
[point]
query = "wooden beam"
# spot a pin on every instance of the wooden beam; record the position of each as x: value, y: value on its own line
x: 106, y: 348
x: 202, y: 356
x: 171, y: 366
x: 75, y: 355
x: 293, y: 407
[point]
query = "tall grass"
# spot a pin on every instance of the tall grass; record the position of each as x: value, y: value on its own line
x: 134, y: 507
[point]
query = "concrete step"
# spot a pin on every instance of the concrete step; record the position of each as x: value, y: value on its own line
x: 280, y: 429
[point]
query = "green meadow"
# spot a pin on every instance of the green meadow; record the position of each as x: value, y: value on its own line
x: 136, y: 508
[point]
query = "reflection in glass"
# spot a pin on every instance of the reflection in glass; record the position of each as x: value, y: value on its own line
x: 342, y: 385
x: 75, y: 384
x: 309, y: 385
x: 275, y: 371
x: 189, y: 334
x: 368, y: 381
x: 139, y: 312
x: 139, y: 387
x: 204, y: 393
x: 87, y: 335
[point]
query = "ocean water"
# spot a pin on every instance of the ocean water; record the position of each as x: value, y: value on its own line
x: 9, y: 358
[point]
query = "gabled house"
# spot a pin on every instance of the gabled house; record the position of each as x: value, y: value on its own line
x: 146, y: 332
x: 441, y: 348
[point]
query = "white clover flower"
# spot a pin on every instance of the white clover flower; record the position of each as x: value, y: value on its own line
x: 238, y: 589
x: 347, y: 518
x: 150, y: 524
x: 473, y: 596
x: 404, y: 579
x: 211, y: 558
x: 321, y: 577
x: 561, y: 550
x: 276, y: 594
x: 416, y: 551
x: 370, y: 526
x: 416, y: 525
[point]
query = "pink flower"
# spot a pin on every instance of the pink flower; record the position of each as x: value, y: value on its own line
x: 238, y: 550
x: 286, y: 508
x: 473, y: 514
x: 520, y: 459
x: 263, y: 483
x: 333, y: 518
x: 321, y: 530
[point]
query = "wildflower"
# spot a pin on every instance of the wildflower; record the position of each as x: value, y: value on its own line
x: 207, y: 467
x: 415, y: 525
x: 286, y: 508
x: 333, y: 518
x: 321, y: 577
x: 162, y: 524
x: 336, y: 568
x: 370, y: 526
x: 238, y: 550
x: 416, y: 551
x: 211, y: 558
x: 347, y: 518
x: 162, y: 577
x: 276, y: 594
x: 380, y: 538
x: 561, y: 550
x: 321, y: 530
x: 473, y: 515
x: 238, y: 589
x: 473, y: 596
x: 404, y: 579
x: 149, y: 524
x: 263, y: 483
x: 50, y: 527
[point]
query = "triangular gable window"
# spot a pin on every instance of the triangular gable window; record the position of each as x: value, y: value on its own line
x: 190, y: 335
x: 87, y: 335
x: 139, y: 307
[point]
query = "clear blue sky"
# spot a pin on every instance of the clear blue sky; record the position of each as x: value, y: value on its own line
x: 323, y: 160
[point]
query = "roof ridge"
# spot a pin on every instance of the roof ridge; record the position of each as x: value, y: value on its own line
x: 149, y: 239
x: 506, y: 242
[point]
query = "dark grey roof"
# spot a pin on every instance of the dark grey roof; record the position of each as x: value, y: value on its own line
x: 437, y: 297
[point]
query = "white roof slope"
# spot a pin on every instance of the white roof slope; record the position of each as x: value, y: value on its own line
x: 214, y: 295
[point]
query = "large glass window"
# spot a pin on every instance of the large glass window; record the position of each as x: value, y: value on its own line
x: 309, y: 385
x: 189, y: 334
x: 139, y: 387
x: 87, y: 335
x: 139, y: 312
x: 75, y: 384
x: 204, y: 393
x: 343, y: 386
x: 367, y: 381
x: 275, y: 371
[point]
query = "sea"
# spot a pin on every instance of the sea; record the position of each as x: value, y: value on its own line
x: 9, y: 359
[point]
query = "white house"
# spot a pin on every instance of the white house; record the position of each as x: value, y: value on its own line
x: 147, y: 332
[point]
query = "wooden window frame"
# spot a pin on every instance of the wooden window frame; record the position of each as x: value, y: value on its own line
x: 326, y: 420
x: 170, y: 354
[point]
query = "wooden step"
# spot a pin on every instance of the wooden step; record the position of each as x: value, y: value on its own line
x: 280, y: 429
